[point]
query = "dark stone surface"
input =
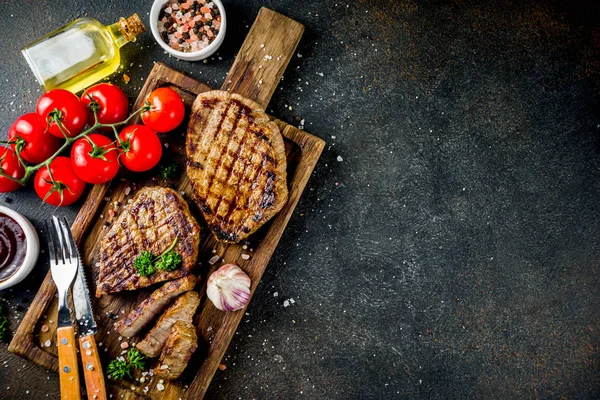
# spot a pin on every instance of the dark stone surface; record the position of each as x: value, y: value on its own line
x: 454, y: 252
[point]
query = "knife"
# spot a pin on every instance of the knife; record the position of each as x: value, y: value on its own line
x: 92, y: 368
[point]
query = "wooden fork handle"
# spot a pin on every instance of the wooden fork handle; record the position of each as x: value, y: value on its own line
x: 92, y: 368
x: 67, y: 363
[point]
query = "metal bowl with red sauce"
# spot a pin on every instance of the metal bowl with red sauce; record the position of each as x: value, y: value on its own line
x: 19, y: 247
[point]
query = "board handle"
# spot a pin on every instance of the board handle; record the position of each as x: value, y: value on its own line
x: 92, y: 368
x: 67, y: 363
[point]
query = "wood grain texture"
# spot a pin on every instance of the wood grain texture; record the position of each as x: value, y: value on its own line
x: 264, y: 56
x: 67, y: 363
x: 92, y: 368
x: 105, y: 202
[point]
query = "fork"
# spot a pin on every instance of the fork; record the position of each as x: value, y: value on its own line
x: 63, y: 265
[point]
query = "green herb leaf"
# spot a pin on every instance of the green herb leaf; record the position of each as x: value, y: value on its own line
x: 144, y: 263
x: 118, y: 369
x: 136, y: 358
x: 4, y: 333
x: 169, y: 261
x: 168, y: 171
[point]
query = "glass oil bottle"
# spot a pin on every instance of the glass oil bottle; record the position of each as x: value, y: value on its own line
x: 80, y: 53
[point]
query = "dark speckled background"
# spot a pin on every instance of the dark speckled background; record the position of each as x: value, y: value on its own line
x: 452, y: 251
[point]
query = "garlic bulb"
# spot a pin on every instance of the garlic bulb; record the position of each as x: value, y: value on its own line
x: 228, y: 288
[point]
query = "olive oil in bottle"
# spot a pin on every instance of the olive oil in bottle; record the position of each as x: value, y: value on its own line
x: 80, y: 53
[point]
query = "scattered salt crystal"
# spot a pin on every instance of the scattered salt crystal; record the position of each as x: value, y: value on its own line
x: 45, y: 328
x: 246, y: 256
x: 164, y: 366
x: 127, y: 190
x: 48, y: 343
x: 214, y: 259
x: 286, y: 303
x: 262, y: 45
x: 160, y: 387
x: 275, y: 294
x: 340, y: 159
x: 124, y: 345
x: 292, y: 301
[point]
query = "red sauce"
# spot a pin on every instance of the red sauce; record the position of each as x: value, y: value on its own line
x: 13, y: 246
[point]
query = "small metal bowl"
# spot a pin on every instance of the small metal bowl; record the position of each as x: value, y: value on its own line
x: 182, y: 55
x: 31, y: 254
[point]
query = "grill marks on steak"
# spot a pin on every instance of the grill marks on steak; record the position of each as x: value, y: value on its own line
x: 183, y: 309
x: 181, y: 344
x: 236, y: 163
x: 151, y: 222
x: 148, y: 309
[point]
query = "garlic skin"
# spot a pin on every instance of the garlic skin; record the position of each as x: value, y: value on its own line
x: 228, y: 288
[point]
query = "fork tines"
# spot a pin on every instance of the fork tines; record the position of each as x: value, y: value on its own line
x: 61, y: 235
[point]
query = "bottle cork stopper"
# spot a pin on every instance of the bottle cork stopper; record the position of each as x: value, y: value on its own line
x: 131, y: 27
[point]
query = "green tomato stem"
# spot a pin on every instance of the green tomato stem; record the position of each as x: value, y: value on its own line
x: 31, y: 169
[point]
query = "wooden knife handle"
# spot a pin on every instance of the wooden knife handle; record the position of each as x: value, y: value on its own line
x: 92, y: 368
x: 67, y: 362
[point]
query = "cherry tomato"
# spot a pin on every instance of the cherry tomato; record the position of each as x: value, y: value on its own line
x: 167, y: 110
x: 109, y: 100
x: 28, y: 135
x: 140, y: 148
x: 97, y: 163
x: 59, y: 186
x: 10, y: 165
x: 64, y: 105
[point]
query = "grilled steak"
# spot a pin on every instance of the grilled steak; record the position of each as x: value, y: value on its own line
x: 236, y: 163
x: 183, y: 309
x: 148, y: 309
x: 179, y: 347
x: 156, y: 217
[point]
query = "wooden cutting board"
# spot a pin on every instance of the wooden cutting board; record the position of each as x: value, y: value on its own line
x: 252, y: 75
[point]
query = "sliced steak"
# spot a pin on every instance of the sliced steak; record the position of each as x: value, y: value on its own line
x: 156, y: 217
x: 179, y: 347
x: 236, y: 163
x: 148, y: 309
x: 183, y: 309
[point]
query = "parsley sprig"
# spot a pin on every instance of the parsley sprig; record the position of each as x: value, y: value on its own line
x: 147, y: 264
x: 168, y: 171
x: 120, y: 367
x: 4, y: 332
